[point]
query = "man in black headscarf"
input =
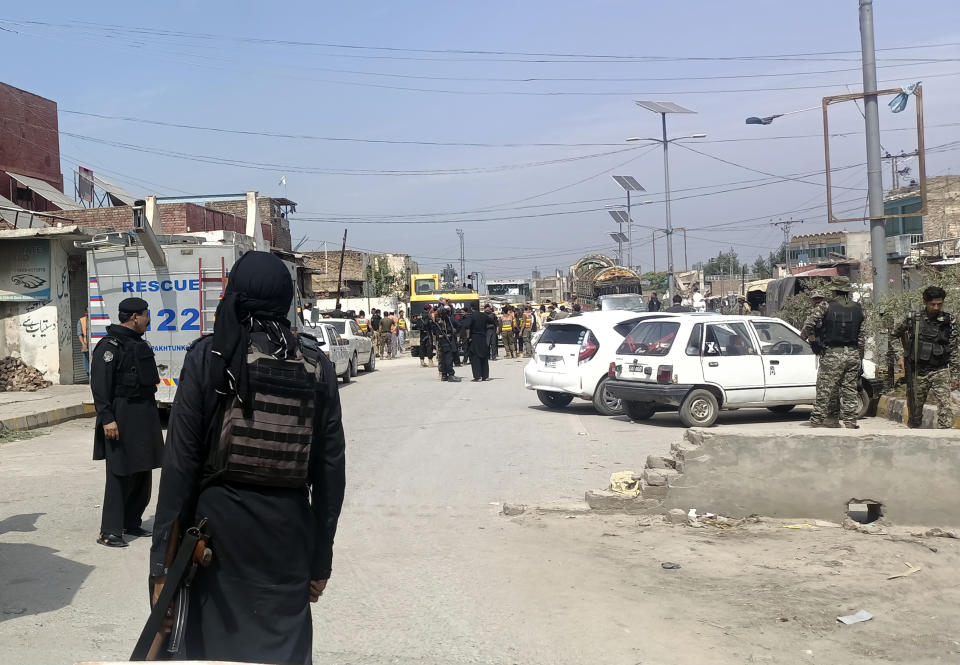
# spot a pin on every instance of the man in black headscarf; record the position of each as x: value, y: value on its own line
x: 123, y: 379
x: 478, y: 347
x: 273, y: 545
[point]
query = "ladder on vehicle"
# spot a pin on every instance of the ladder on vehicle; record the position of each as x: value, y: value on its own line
x: 213, y: 281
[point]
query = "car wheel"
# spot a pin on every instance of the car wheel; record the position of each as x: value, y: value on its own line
x: 639, y: 410
x: 605, y: 403
x: 371, y: 364
x: 782, y: 408
x: 354, y: 366
x: 554, y: 400
x: 863, y: 403
x: 699, y: 409
x: 348, y: 373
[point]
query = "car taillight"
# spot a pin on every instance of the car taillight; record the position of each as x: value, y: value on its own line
x: 588, y: 349
x: 612, y: 370
x: 665, y: 374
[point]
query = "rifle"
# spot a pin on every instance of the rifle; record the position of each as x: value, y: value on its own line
x: 173, y: 600
x: 910, y: 358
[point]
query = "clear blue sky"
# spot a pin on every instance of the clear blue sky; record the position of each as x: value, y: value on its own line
x: 102, y: 62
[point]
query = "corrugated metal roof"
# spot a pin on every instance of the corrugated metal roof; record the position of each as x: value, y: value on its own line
x: 115, y: 191
x: 47, y: 191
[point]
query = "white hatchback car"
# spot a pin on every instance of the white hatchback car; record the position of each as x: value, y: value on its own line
x: 701, y: 363
x: 572, y: 355
x: 323, y: 338
x: 361, y: 346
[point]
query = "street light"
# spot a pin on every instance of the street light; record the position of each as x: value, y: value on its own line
x: 766, y: 120
x: 664, y: 108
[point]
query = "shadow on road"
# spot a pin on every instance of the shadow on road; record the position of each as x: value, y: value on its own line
x: 33, y: 578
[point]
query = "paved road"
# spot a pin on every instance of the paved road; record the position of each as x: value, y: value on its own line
x: 425, y: 568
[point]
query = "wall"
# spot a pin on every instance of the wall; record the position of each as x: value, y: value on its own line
x: 175, y: 218
x: 915, y: 474
x: 40, y: 333
x: 29, y: 137
x: 276, y: 229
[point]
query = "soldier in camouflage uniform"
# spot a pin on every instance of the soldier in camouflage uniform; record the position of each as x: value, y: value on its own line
x: 837, y: 326
x: 931, y: 344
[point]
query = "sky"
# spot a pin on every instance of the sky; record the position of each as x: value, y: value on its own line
x: 402, y: 122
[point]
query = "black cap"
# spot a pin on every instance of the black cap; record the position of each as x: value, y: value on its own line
x: 133, y: 305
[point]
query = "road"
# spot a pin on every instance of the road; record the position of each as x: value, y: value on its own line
x: 427, y: 570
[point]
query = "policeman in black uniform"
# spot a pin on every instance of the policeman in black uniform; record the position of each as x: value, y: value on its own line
x: 124, y: 378
x: 445, y: 332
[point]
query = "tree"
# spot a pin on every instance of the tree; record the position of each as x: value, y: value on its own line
x: 724, y: 263
x: 761, y: 268
x: 382, y: 281
x: 658, y: 281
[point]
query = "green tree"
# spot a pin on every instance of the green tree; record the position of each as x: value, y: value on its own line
x: 761, y: 268
x: 724, y: 263
x: 658, y: 281
x: 382, y: 281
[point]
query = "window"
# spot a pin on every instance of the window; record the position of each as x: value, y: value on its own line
x: 354, y: 328
x: 778, y: 340
x: 424, y: 285
x: 650, y: 338
x: 554, y: 334
x: 696, y: 340
x: 339, y: 326
x: 728, y: 339
x: 624, y: 327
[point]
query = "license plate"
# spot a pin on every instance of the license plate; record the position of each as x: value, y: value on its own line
x: 638, y: 369
x: 551, y: 361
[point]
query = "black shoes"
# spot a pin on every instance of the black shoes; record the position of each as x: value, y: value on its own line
x: 139, y: 532
x: 111, y: 540
x: 453, y: 379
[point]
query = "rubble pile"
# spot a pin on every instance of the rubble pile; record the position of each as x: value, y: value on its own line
x: 15, y: 376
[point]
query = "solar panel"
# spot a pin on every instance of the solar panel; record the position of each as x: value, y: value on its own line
x: 619, y: 216
x: 663, y: 107
x: 619, y: 237
x: 629, y: 183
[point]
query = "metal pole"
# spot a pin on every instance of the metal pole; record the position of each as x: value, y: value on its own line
x: 878, y: 250
x: 653, y: 241
x: 671, y: 287
x: 629, y: 234
x: 686, y: 264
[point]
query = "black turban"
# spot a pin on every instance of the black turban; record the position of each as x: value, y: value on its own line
x: 259, y: 287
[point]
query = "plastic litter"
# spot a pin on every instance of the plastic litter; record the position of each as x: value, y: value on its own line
x: 859, y: 617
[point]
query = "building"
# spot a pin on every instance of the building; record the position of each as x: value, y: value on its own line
x: 324, y: 267
x: 814, y: 248
x: 274, y: 214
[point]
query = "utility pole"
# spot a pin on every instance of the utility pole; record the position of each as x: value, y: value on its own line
x: 871, y: 118
x: 895, y: 171
x: 343, y: 251
x: 785, y: 227
x: 463, y: 268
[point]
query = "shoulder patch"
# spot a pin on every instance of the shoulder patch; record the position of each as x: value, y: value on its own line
x: 107, y: 356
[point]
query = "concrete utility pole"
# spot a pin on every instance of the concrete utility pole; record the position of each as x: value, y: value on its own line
x: 878, y: 241
x: 463, y: 263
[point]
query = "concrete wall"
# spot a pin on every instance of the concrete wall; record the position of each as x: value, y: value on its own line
x: 356, y: 304
x: 915, y: 473
x: 41, y: 333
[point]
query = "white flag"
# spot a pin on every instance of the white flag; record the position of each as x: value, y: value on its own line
x: 283, y: 181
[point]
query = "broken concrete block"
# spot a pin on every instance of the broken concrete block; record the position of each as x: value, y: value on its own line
x: 657, y: 462
x: 607, y: 501
x: 655, y: 478
x: 654, y: 491
x: 677, y: 516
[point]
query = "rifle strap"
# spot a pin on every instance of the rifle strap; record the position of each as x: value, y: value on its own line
x: 175, y: 575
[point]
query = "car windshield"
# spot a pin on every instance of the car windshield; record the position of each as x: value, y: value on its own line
x: 339, y: 326
x: 568, y: 334
x: 650, y: 338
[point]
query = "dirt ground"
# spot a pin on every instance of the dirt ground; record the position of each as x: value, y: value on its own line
x: 761, y: 592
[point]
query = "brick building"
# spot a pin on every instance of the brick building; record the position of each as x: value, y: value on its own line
x: 324, y: 268
x: 273, y: 213
x: 175, y: 218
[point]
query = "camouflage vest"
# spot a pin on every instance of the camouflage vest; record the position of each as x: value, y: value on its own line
x: 841, y: 324
x: 272, y: 446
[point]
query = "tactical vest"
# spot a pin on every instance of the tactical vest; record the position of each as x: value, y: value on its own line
x: 528, y: 320
x: 506, y: 323
x: 841, y: 324
x: 271, y: 447
x: 933, y: 342
x: 136, y: 374
x: 364, y: 325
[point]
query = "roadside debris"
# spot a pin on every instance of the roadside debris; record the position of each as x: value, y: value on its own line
x: 669, y: 565
x: 911, y: 569
x: 859, y: 617
x: 623, y: 482
x: 512, y: 510
x: 908, y: 539
x: 16, y: 376
x: 804, y: 525
x: 937, y: 532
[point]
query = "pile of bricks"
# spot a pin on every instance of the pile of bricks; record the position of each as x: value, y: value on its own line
x: 15, y: 376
